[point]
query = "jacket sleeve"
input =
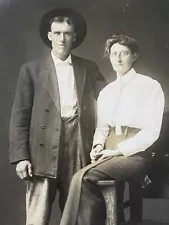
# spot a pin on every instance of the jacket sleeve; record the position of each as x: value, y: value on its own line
x: 21, y: 117
x: 98, y: 80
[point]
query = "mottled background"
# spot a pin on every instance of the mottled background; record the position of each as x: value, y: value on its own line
x: 146, y: 20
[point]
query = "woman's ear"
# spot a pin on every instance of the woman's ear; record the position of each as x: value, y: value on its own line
x: 135, y: 55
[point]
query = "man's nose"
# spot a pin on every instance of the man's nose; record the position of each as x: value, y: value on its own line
x: 62, y: 37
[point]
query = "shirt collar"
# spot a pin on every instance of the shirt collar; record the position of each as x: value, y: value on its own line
x: 127, y: 77
x: 57, y: 61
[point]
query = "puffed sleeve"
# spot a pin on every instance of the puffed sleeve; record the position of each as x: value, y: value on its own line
x: 152, y: 114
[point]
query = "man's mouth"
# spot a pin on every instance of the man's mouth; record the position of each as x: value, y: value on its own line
x: 62, y: 45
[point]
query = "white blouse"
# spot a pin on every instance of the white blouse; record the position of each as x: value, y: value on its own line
x: 133, y: 100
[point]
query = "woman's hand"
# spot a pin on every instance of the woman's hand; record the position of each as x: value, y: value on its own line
x: 108, y: 153
x: 94, y: 153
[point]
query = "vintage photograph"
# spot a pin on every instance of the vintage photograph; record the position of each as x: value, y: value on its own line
x: 85, y: 116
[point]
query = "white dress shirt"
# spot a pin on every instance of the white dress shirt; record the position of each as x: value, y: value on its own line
x: 66, y: 83
x: 133, y: 100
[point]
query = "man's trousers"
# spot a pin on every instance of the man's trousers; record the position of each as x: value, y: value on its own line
x: 41, y: 191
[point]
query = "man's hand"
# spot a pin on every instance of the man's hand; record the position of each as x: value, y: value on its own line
x: 94, y: 152
x: 24, y: 169
x: 109, y: 153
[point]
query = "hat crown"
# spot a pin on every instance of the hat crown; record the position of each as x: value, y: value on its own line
x: 77, y: 19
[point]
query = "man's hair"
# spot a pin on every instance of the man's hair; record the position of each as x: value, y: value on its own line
x: 61, y: 19
x: 125, y: 40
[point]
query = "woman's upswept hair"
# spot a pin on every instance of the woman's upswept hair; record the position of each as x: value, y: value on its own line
x: 125, y: 40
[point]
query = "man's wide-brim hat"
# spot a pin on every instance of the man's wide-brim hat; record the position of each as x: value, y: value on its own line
x: 77, y: 19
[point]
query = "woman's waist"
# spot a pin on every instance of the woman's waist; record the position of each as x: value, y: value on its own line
x: 124, y: 129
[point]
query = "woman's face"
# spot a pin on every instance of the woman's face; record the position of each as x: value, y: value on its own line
x: 121, y: 58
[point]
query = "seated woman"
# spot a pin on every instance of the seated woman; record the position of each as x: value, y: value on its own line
x: 130, y: 111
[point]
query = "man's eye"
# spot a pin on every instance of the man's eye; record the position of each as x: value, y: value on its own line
x: 57, y: 33
x: 68, y: 33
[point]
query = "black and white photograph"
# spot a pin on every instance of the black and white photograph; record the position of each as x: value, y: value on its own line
x: 84, y: 112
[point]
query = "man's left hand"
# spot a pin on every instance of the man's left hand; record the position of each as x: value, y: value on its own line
x: 109, y: 153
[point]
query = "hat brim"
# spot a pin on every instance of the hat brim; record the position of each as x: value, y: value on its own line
x: 79, y: 23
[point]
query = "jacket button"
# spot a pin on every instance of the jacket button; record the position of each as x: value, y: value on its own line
x: 46, y: 110
x: 57, y: 128
x: 42, y: 126
x: 41, y: 144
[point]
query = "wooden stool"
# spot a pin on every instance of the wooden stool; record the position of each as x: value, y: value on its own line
x: 113, y: 192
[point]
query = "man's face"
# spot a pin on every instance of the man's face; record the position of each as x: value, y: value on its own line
x: 61, y: 36
x: 121, y: 58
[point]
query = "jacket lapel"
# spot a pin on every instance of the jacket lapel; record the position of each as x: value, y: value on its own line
x: 80, y: 78
x: 49, y: 79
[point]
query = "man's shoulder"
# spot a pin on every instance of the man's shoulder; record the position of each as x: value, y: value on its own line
x: 83, y: 61
x: 33, y: 67
x: 31, y: 64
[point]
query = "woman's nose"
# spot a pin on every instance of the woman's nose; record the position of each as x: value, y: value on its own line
x: 119, y: 58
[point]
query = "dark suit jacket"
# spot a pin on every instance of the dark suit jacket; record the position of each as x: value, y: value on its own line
x: 35, y: 126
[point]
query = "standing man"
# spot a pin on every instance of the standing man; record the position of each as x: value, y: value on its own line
x: 53, y: 116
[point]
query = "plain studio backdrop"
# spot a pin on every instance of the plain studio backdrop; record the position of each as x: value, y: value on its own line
x: 146, y: 20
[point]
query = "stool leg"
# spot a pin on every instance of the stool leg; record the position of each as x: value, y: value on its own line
x: 120, y: 187
x: 109, y: 194
x: 113, y: 196
x: 136, y: 202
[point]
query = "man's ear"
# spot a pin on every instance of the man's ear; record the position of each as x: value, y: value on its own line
x: 49, y: 36
x: 74, y: 36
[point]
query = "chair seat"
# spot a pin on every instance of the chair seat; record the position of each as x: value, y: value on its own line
x: 107, y: 182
